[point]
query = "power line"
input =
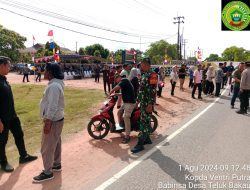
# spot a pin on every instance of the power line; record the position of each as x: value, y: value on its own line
x: 148, y: 7
x: 132, y: 5
x: 156, y: 7
x: 64, y: 28
x: 69, y: 19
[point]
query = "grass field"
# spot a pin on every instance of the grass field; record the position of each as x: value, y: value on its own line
x: 80, y: 104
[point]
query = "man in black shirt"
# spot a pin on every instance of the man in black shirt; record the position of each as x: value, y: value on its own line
x: 182, y: 74
x: 129, y: 102
x: 106, y: 74
x: 9, y: 120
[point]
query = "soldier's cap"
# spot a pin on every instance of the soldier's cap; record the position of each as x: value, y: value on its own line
x: 146, y: 60
x: 4, y: 60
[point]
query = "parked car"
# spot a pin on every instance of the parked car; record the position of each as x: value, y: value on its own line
x: 20, y: 66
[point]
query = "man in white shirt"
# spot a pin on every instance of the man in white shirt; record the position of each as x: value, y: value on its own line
x: 52, y: 112
x: 197, y: 82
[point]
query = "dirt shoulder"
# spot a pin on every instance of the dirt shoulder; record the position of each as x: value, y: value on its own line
x: 85, y: 159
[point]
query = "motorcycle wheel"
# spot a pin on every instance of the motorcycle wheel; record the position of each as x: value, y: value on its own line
x: 153, y: 123
x: 98, y: 128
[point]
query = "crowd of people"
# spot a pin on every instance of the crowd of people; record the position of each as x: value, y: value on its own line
x: 208, y: 79
x: 134, y: 84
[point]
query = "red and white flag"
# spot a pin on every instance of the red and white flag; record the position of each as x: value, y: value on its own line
x: 50, y: 33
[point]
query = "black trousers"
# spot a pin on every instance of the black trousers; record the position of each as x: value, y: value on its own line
x: 224, y: 82
x: 97, y: 76
x: 14, y: 126
x: 38, y: 77
x: 244, y: 100
x: 173, y: 87
x: 159, y: 91
x: 209, y: 87
x: 26, y: 76
x: 191, y: 83
x: 105, y: 83
x: 236, y: 91
x: 217, y: 90
x: 199, y: 89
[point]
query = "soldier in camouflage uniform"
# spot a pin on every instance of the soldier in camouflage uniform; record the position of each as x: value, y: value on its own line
x: 146, y: 97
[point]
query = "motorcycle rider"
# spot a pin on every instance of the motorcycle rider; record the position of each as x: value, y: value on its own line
x: 129, y: 102
x: 146, y: 97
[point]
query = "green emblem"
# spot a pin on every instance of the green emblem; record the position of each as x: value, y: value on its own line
x: 236, y: 15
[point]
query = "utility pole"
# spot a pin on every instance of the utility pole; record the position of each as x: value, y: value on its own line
x: 184, y: 44
x: 76, y: 47
x: 179, y: 21
x: 140, y: 43
x: 181, y: 42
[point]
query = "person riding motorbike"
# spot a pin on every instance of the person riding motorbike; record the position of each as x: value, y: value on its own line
x: 129, y: 102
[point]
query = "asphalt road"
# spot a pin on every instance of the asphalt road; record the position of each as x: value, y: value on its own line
x: 211, y: 153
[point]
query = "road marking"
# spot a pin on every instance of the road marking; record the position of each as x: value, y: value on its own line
x: 154, y: 149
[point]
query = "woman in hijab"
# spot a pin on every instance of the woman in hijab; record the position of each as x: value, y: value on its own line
x: 133, y: 77
x: 209, y: 80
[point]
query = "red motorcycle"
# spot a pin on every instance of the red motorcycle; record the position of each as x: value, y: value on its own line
x: 103, y: 123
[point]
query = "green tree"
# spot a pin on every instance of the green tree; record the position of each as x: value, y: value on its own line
x: 139, y: 55
x: 82, y: 51
x: 25, y: 58
x: 118, y: 56
x: 247, y: 53
x: 97, y: 53
x: 157, y: 51
x: 213, y: 57
x: 47, y: 50
x: 234, y: 53
x: 105, y: 54
x: 10, y: 43
x: 40, y: 52
x: 90, y: 50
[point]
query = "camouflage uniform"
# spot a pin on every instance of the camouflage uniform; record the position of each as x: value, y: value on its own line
x: 146, y: 96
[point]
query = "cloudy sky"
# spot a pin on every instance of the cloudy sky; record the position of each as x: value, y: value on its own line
x: 150, y: 19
